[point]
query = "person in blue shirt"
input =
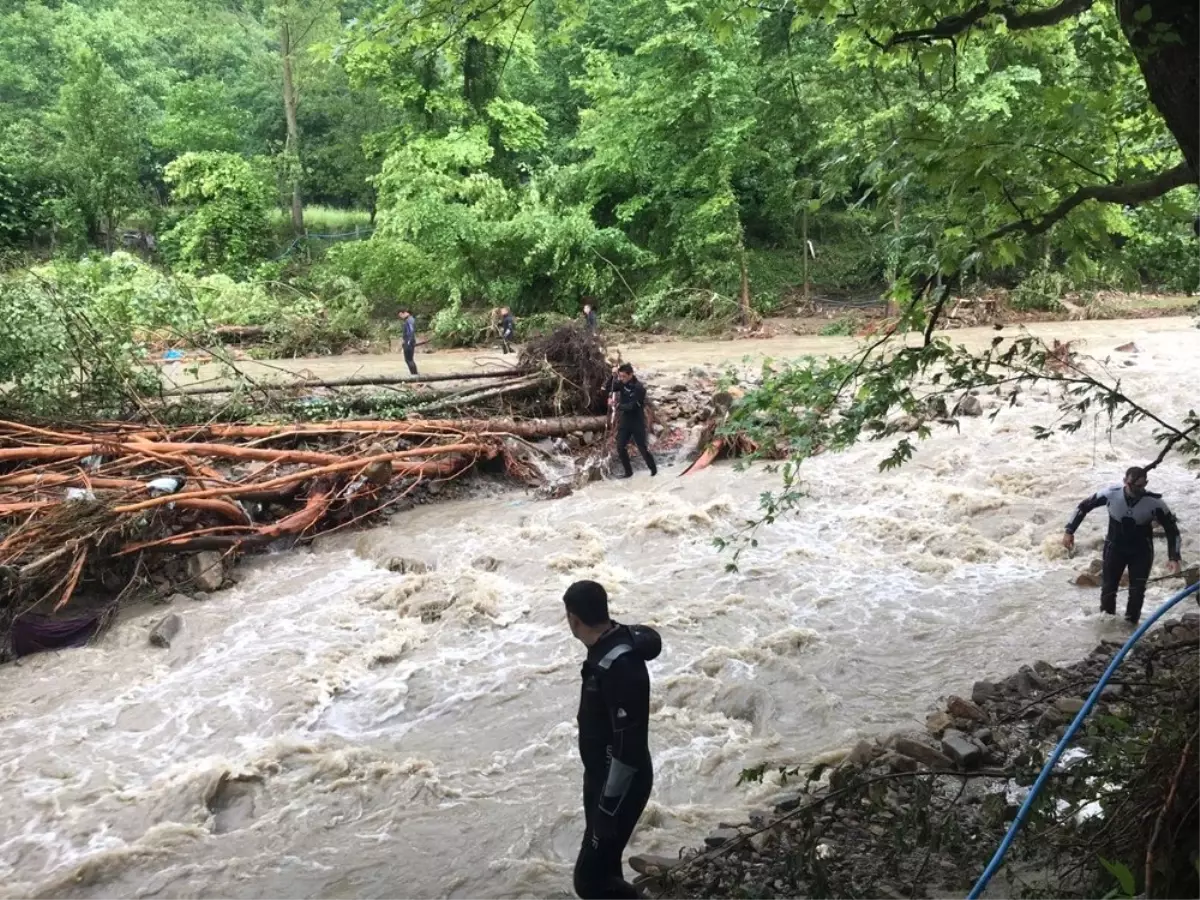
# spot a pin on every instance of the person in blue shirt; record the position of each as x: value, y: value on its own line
x: 589, y: 318
x: 508, y: 327
x: 409, y: 339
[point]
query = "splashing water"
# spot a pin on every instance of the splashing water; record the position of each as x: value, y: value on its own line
x: 329, y: 728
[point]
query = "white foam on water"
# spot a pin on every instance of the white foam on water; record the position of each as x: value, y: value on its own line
x: 413, y: 734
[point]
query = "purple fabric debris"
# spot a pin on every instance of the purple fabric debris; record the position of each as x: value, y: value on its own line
x: 33, y: 633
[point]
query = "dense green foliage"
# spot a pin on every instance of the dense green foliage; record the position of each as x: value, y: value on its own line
x: 227, y: 203
x: 537, y: 153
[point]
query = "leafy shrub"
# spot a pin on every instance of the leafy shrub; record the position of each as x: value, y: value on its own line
x: 227, y: 201
x: 58, y: 356
x: 1040, y: 291
x: 684, y: 307
x: 1161, y: 249
x: 541, y: 323
x: 843, y: 327
x: 449, y: 228
x: 452, y: 326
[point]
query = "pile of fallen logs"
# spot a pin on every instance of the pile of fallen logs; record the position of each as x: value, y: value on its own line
x: 87, y: 509
x: 93, y: 513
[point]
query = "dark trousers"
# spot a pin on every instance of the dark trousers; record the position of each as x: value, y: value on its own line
x: 409, y: 350
x: 1117, y: 557
x: 504, y: 339
x: 633, y: 427
x: 598, y: 871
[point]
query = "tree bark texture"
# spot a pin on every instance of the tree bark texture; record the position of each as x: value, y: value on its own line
x: 292, y: 147
x: 1166, y: 43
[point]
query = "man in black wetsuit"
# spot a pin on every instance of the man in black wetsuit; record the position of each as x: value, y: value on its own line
x: 1129, y: 542
x: 628, y: 395
x: 614, y: 720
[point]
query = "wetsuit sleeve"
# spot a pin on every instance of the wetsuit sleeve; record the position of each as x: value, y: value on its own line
x: 626, y: 691
x: 1170, y: 527
x: 1095, y: 501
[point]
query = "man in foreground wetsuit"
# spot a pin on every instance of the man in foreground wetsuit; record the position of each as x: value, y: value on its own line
x: 1130, y: 541
x: 614, y: 719
x: 628, y: 396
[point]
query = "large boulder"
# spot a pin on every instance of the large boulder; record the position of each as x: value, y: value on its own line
x: 960, y: 748
x: 206, y: 570
x: 961, y: 708
x: 922, y: 753
x: 164, y: 632
x: 969, y: 406
x: 936, y: 723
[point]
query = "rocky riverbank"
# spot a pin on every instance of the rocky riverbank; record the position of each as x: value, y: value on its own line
x: 919, y: 814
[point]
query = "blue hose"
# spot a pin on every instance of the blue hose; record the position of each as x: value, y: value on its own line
x: 1023, y: 812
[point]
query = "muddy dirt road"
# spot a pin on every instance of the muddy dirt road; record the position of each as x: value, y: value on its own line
x: 1096, y: 337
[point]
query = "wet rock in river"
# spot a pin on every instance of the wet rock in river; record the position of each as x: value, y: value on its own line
x: 969, y: 406
x: 206, y: 570
x: 164, y: 632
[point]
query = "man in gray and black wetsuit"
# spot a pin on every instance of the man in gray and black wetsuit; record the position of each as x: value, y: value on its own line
x: 1130, y: 541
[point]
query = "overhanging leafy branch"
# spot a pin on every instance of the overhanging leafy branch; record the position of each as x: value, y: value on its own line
x: 1129, y: 194
x: 800, y: 410
x: 952, y: 26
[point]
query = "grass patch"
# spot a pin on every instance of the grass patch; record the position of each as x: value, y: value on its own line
x: 321, y: 220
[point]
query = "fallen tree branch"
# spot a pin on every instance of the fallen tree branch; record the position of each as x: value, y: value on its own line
x: 471, y: 449
x: 349, y: 381
x: 526, y: 428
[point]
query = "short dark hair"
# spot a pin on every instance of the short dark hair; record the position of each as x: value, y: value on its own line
x: 626, y: 368
x: 403, y: 310
x: 588, y: 602
x: 1133, y: 473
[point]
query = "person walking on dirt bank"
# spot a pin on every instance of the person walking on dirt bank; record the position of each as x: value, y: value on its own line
x: 628, y: 396
x: 507, y: 327
x: 409, y: 339
x: 614, y: 723
x: 1130, y: 541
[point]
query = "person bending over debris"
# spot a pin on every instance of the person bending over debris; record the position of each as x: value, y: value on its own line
x: 614, y: 723
x: 1130, y: 541
x: 508, y: 328
x: 628, y: 395
x: 409, y: 339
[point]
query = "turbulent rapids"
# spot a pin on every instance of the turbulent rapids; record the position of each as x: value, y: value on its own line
x: 332, y: 728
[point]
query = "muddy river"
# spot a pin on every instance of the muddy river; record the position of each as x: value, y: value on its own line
x: 328, y: 728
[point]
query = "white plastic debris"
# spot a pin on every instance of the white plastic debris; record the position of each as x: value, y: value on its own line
x: 168, y: 484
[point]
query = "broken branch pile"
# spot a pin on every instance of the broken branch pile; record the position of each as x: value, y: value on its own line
x: 91, y: 513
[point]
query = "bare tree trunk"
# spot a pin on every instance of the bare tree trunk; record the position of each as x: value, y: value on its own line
x: 292, y: 147
x: 744, y: 302
x: 804, y: 251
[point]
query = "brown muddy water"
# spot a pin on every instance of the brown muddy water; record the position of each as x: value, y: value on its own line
x: 328, y: 728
